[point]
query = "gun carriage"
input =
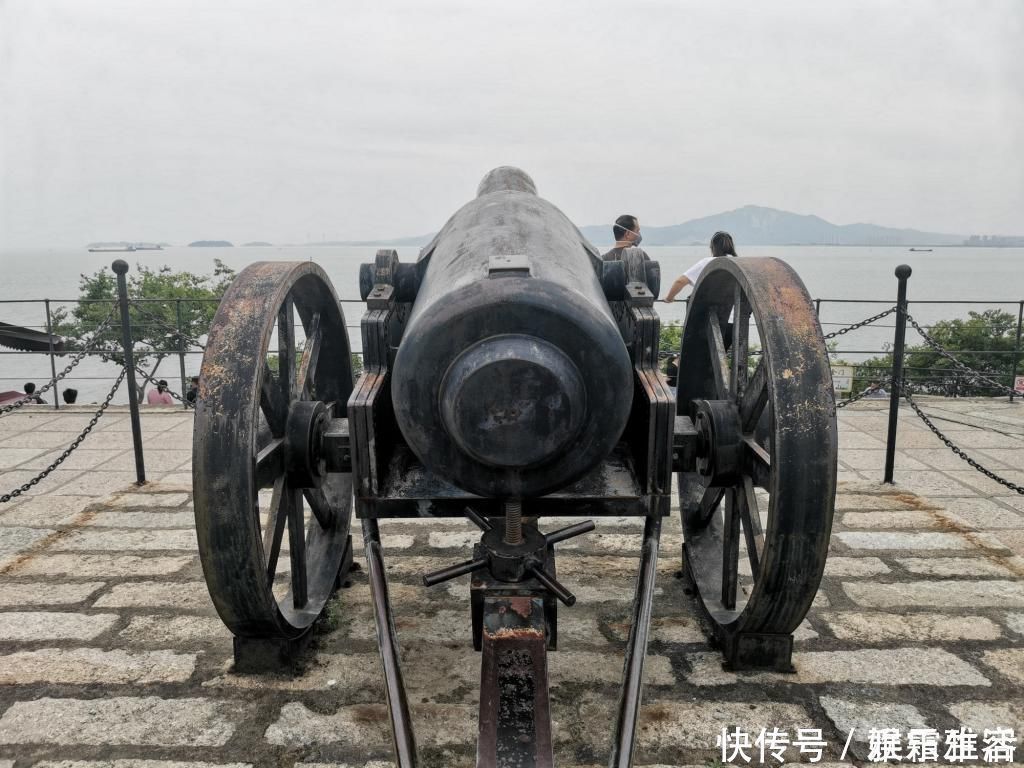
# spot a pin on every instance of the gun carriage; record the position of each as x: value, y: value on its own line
x: 511, y: 374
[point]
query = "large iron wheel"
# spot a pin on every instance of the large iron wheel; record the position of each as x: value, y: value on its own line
x: 256, y: 469
x: 764, y: 487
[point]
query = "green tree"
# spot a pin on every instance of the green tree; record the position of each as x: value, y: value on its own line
x: 155, y: 321
x: 984, y: 341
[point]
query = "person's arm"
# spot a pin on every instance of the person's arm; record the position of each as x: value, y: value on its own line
x: 680, y: 283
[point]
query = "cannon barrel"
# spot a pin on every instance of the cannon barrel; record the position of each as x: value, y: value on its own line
x: 512, y: 378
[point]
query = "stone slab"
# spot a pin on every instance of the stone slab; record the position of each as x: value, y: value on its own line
x: 151, y: 519
x: 955, y: 566
x: 846, y: 502
x: 46, y: 511
x: 1009, y: 662
x: 837, y: 565
x: 365, y: 727
x: 134, y: 500
x: 666, y: 727
x: 15, y: 540
x: 902, y: 541
x: 124, y: 541
x: 129, y: 720
x: 83, y: 666
x: 938, y: 594
x: 884, y: 667
x: 861, y: 716
x: 982, y: 715
x: 129, y: 763
x: 86, y: 566
x: 872, y: 628
x: 1015, y: 621
x: 47, y: 593
x: 174, y: 631
x: 98, y: 483
x: 186, y: 596
x: 885, y: 520
x: 33, y: 626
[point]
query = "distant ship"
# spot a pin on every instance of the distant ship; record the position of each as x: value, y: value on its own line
x: 148, y: 247
x: 922, y: 250
x: 118, y: 249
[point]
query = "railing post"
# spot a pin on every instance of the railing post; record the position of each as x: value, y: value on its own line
x: 817, y: 307
x: 53, y: 363
x: 181, y: 353
x: 1016, y: 349
x: 899, y: 342
x: 120, y: 268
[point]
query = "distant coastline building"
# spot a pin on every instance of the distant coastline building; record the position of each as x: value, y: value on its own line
x: 995, y: 241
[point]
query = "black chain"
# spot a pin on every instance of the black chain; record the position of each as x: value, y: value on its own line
x: 865, y: 393
x: 973, y: 374
x: 956, y: 449
x: 67, y: 451
x: 168, y: 327
x: 89, y: 347
x: 861, y: 324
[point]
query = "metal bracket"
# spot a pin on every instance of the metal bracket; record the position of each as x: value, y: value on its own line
x: 509, y: 265
x: 753, y: 650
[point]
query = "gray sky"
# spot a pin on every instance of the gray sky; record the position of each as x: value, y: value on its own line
x: 242, y: 120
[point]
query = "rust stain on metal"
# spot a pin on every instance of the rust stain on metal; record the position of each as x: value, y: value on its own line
x: 521, y: 605
x: 514, y: 633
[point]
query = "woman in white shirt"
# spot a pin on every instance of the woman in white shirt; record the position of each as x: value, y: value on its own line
x: 721, y: 245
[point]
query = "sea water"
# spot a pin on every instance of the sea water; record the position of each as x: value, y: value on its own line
x: 988, y: 278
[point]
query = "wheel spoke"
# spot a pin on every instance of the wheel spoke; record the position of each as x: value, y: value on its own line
x: 297, y: 547
x: 286, y: 349
x: 273, y: 402
x: 277, y: 516
x: 716, y: 351
x: 740, y: 341
x: 730, y: 548
x: 761, y: 462
x: 270, y: 463
x: 319, y: 506
x: 709, y: 503
x: 754, y: 398
x: 751, y: 519
x: 310, y: 355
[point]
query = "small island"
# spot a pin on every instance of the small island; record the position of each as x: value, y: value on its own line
x: 256, y: 244
x: 211, y: 244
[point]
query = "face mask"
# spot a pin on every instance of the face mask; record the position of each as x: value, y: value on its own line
x: 639, y: 238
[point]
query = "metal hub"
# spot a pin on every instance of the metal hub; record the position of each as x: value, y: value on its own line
x: 719, y: 441
x: 304, y: 460
x: 513, y: 562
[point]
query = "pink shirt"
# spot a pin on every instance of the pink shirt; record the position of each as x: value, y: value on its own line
x: 154, y: 397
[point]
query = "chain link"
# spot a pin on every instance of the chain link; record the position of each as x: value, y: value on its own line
x: 975, y: 375
x: 67, y: 451
x: 865, y: 393
x: 89, y: 347
x: 861, y: 324
x: 956, y: 449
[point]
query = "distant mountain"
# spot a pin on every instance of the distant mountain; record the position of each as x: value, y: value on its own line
x: 210, y: 244
x: 256, y: 243
x: 755, y: 225
x: 749, y: 225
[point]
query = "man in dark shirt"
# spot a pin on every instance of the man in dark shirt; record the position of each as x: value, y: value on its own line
x: 627, y: 235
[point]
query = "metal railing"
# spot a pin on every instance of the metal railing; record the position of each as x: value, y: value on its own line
x: 181, y: 343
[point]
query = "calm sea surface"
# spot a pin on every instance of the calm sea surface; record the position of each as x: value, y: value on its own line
x: 985, y: 276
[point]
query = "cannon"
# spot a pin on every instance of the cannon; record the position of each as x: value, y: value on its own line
x: 511, y: 374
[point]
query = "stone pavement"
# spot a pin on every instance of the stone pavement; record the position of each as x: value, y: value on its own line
x: 111, y: 653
